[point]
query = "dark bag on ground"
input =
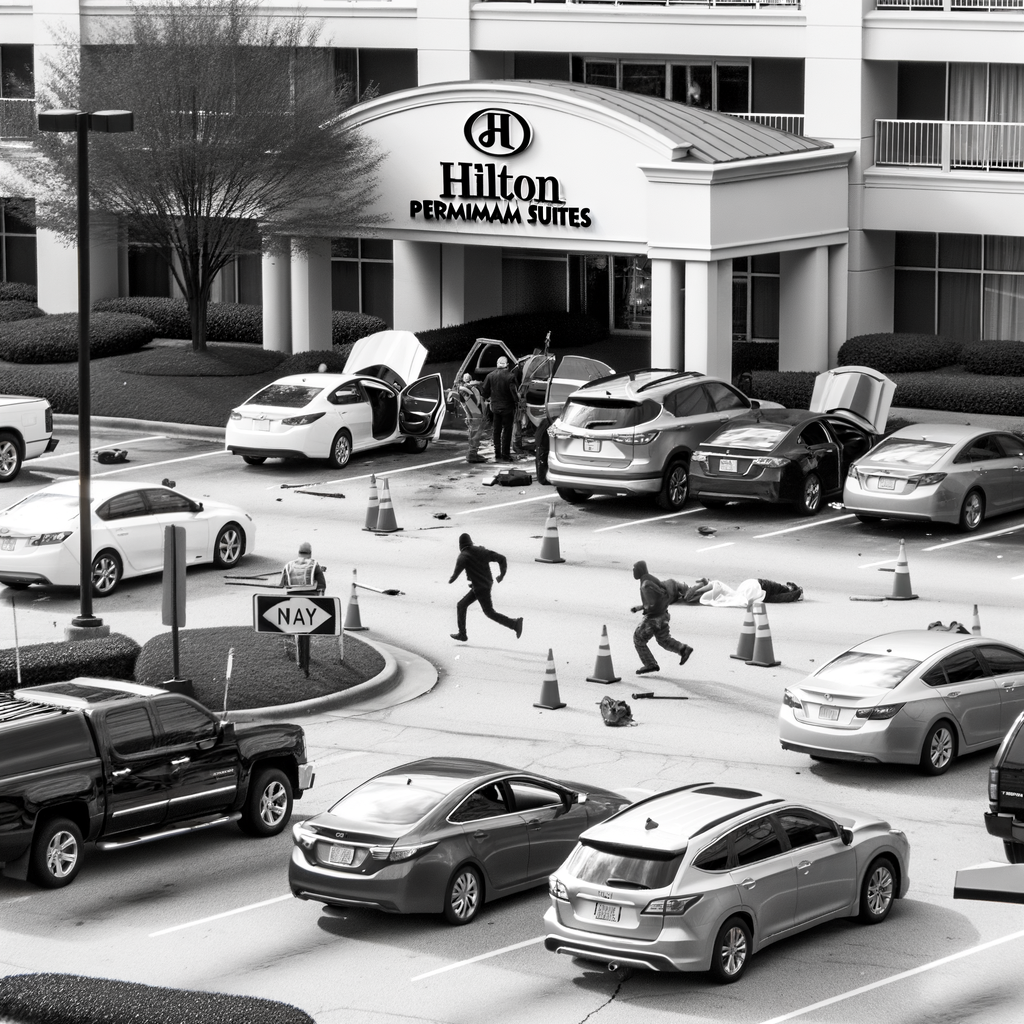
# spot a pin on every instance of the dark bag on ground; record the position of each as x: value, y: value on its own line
x: 616, y: 712
x: 511, y: 478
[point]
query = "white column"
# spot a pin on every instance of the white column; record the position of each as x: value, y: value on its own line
x: 277, y: 302
x: 838, y: 289
x: 102, y: 256
x: 709, y: 317
x: 483, y: 281
x: 417, y: 269
x: 872, y: 282
x: 442, y: 32
x: 453, y: 284
x: 58, y: 273
x: 667, y: 313
x: 311, y: 295
x: 803, y: 309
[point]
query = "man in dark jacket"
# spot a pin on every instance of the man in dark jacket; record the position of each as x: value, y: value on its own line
x: 501, y: 390
x: 475, y: 560
x: 655, y: 598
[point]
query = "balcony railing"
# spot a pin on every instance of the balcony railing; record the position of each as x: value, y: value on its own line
x: 792, y: 123
x: 729, y: 4
x: 949, y: 5
x: 950, y: 145
x: 17, y: 118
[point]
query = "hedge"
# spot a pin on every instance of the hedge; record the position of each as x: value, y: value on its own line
x: 57, y: 383
x: 109, y: 657
x: 748, y: 356
x: 995, y: 358
x: 349, y: 327
x: 791, y: 388
x: 72, y: 999
x: 18, y: 309
x: 310, y: 362
x: 14, y: 291
x: 54, y: 339
x: 900, y: 353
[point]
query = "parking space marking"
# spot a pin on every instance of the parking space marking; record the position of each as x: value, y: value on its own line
x: 977, y: 536
x: 217, y: 917
x: 335, y: 758
x: 390, y: 472
x: 14, y: 899
x: 653, y: 519
x: 885, y: 561
x: 805, y: 526
x: 166, y: 462
x: 715, y: 547
x: 75, y: 451
x: 1021, y: 577
x: 505, y: 504
x: 896, y: 977
x: 477, y: 959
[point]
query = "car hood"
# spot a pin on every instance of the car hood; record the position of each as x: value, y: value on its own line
x: 400, y: 351
x: 857, y: 393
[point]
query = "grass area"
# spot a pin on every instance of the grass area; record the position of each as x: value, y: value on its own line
x: 219, y: 360
x: 264, y: 673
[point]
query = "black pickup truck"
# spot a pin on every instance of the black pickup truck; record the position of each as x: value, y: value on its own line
x: 1005, y: 816
x: 121, y: 764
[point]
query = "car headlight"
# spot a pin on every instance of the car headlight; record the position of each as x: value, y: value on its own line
x: 672, y: 905
x: 301, y: 421
x: 557, y: 889
x: 790, y: 701
x: 924, y: 479
x: 235, y: 415
x: 880, y: 713
x: 699, y: 457
x: 302, y: 836
x: 770, y: 460
x: 49, y: 538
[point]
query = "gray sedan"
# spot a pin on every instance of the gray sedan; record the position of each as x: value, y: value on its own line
x: 912, y: 697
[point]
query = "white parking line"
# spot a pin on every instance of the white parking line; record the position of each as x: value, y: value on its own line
x: 15, y: 899
x: 75, y: 451
x: 977, y: 536
x: 805, y: 526
x: 166, y: 462
x: 896, y: 977
x: 505, y: 504
x: 217, y: 917
x: 653, y: 519
x: 335, y: 758
x: 482, y: 956
x: 885, y: 561
x: 389, y: 472
x: 1021, y: 577
x: 715, y: 547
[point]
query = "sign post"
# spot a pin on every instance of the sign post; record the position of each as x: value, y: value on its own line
x: 174, y: 599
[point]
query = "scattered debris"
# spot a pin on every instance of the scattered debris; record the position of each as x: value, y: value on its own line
x: 441, y: 515
x: 167, y: 482
x: 322, y: 494
x: 109, y: 455
x: 706, y: 531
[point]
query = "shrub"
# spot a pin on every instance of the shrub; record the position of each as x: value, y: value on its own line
x: 18, y: 309
x: 963, y: 392
x: 349, y: 327
x: 310, y: 362
x: 169, y: 316
x: 995, y: 358
x: 234, y: 321
x: 54, y: 339
x: 900, y: 353
x: 748, y: 356
x: 109, y: 657
x: 15, y: 291
x: 791, y: 388
x: 57, y: 383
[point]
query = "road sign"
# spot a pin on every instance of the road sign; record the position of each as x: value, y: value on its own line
x: 305, y: 615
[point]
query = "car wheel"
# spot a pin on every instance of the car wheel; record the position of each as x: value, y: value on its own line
x: 56, y: 853
x: 416, y: 444
x: 268, y: 805
x: 866, y: 518
x: 972, y: 512
x: 675, y: 487
x: 10, y: 457
x: 939, y: 750
x: 571, y: 495
x: 254, y: 460
x: 712, y: 502
x: 731, y: 952
x: 341, y: 450
x: 464, y: 896
x: 877, y: 891
x: 1014, y: 851
x: 229, y: 546
x: 809, y: 502
x: 106, y: 573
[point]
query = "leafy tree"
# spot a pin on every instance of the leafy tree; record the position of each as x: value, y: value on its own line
x: 235, y: 150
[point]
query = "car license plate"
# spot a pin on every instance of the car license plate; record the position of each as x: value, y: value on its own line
x: 7, y: 544
x: 829, y: 714
x: 342, y: 855
x: 727, y: 466
x: 607, y: 911
x: 261, y: 424
x: 591, y: 444
x: 887, y: 483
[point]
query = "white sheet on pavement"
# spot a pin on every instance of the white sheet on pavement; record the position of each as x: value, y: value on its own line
x: 721, y: 595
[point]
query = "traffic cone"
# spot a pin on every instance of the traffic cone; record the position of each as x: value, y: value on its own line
x: 764, y: 653
x: 603, y: 671
x: 549, y: 551
x: 353, y: 623
x: 549, y: 688
x: 745, y: 648
x: 374, y: 506
x: 386, y: 514
x: 976, y: 623
x: 901, y: 589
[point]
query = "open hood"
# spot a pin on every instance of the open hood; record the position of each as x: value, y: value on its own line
x: 399, y: 351
x: 858, y: 393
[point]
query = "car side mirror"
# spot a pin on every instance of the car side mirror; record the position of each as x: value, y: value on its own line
x: 755, y: 404
x: 846, y: 835
x: 209, y: 743
x: 197, y: 506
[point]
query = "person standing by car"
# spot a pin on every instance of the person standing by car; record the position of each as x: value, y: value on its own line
x: 303, y: 575
x: 501, y: 391
x: 475, y: 560
x: 655, y: 599
x: 466, y: 394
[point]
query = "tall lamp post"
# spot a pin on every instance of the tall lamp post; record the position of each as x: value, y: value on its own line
x: 82, y: 122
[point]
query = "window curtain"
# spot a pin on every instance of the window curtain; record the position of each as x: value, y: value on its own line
x: 1006, y: 93
x: 1004, y: 308
x: 967, y: 92
x: 960, y: 306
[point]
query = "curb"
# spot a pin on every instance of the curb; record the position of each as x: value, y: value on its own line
x: 152, y: 426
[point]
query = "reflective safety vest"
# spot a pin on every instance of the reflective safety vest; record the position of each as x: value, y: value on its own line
x: 300, y: 572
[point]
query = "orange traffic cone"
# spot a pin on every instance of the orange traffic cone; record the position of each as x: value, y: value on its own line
x: 901, y: 589
x: 374, y: 507
x: 386, y: 514
x: 549, y: 550
x: 745, y: 648
x: 976, y: 623
x: 764, y: 653
x: 353, y: 623
x: 549, y: 688
x: 603, y: 671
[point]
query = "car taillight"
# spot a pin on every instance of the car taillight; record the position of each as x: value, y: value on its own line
x: 672, y: 905
x: 559, y: 435
x: 643, y: 438
x: 771, y: 461
x: 790, y: 701
x: 699, y: 457
x: 303, y: 837
x: 924, y: 479
x: 398, y: 853
x: 48, y: 419
x: 235, y: 415
x: 557, y: 889
x: 49, y: 538
x: 881, y: 712
x: 993, y: 785
x: 301, y: 421
x: 853, y: 474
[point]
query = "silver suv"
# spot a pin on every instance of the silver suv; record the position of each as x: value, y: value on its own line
x: 634, y: 433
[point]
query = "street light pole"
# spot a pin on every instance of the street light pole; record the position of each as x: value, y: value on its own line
x: 82, y: 122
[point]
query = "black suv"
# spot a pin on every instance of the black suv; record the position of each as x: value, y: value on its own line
x: 1005, y: 817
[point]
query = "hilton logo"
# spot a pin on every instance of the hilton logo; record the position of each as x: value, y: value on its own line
x: 497, y: 132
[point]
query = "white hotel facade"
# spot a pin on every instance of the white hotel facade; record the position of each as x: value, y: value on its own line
x: 702, y: 172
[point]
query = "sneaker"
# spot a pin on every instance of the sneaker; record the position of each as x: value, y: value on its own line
x: 647, y: 670
x: 475, y: 458
x: 459, y: 636
x: 519, y: 628
x: 685, y: 653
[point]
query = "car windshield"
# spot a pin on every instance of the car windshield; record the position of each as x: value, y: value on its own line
x: 762, y: 437
x: 395, y: 799
x: 909, y: 452
x: 44, y: 504
x: 863, y: 669
x: 289, y: 396
x: 606, y: 413
x: 622, y: 867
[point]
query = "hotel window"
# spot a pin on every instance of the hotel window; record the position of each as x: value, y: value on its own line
x: 362, y: 276
x: 17, y: 72
x: 384, y: 70
x: 18, y: 251
x: 709, y: 84
x: 755, y: 298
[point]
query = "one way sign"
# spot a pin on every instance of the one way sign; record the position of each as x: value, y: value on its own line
x: 309, y: 615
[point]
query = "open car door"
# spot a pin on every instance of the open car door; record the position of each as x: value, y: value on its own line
x: 569, y: 376
x: 483, y: 357
x: 387, y: 355
x: 422, y: 408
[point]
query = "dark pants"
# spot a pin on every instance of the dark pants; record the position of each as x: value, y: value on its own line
x: 483, y: 595
x: 656, y: 627
x: 503, y: 420
x: 302, y: 644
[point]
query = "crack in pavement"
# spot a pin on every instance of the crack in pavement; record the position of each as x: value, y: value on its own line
x: 627, y: 973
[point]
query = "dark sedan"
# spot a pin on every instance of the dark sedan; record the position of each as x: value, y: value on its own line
x: 443, y: 835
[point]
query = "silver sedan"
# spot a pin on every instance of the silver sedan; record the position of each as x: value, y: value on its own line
x: 913, y: 697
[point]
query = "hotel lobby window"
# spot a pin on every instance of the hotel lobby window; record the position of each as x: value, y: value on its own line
x: 632, y: 293
x: 755, y: 298
x: 18, y: 251
x: 362, y: 276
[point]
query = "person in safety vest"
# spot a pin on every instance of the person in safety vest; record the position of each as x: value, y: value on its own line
x: 304, y: 572
x: 466, y: 394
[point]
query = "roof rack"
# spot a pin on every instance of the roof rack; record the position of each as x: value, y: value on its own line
x: 735, y: 814
x: 14, y: 709
x: 672, y: 375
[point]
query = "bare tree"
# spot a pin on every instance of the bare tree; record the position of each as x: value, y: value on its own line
x: 236, y: 147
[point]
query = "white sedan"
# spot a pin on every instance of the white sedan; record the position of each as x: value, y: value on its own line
x: 39, y: 540
x: 331, y: 415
